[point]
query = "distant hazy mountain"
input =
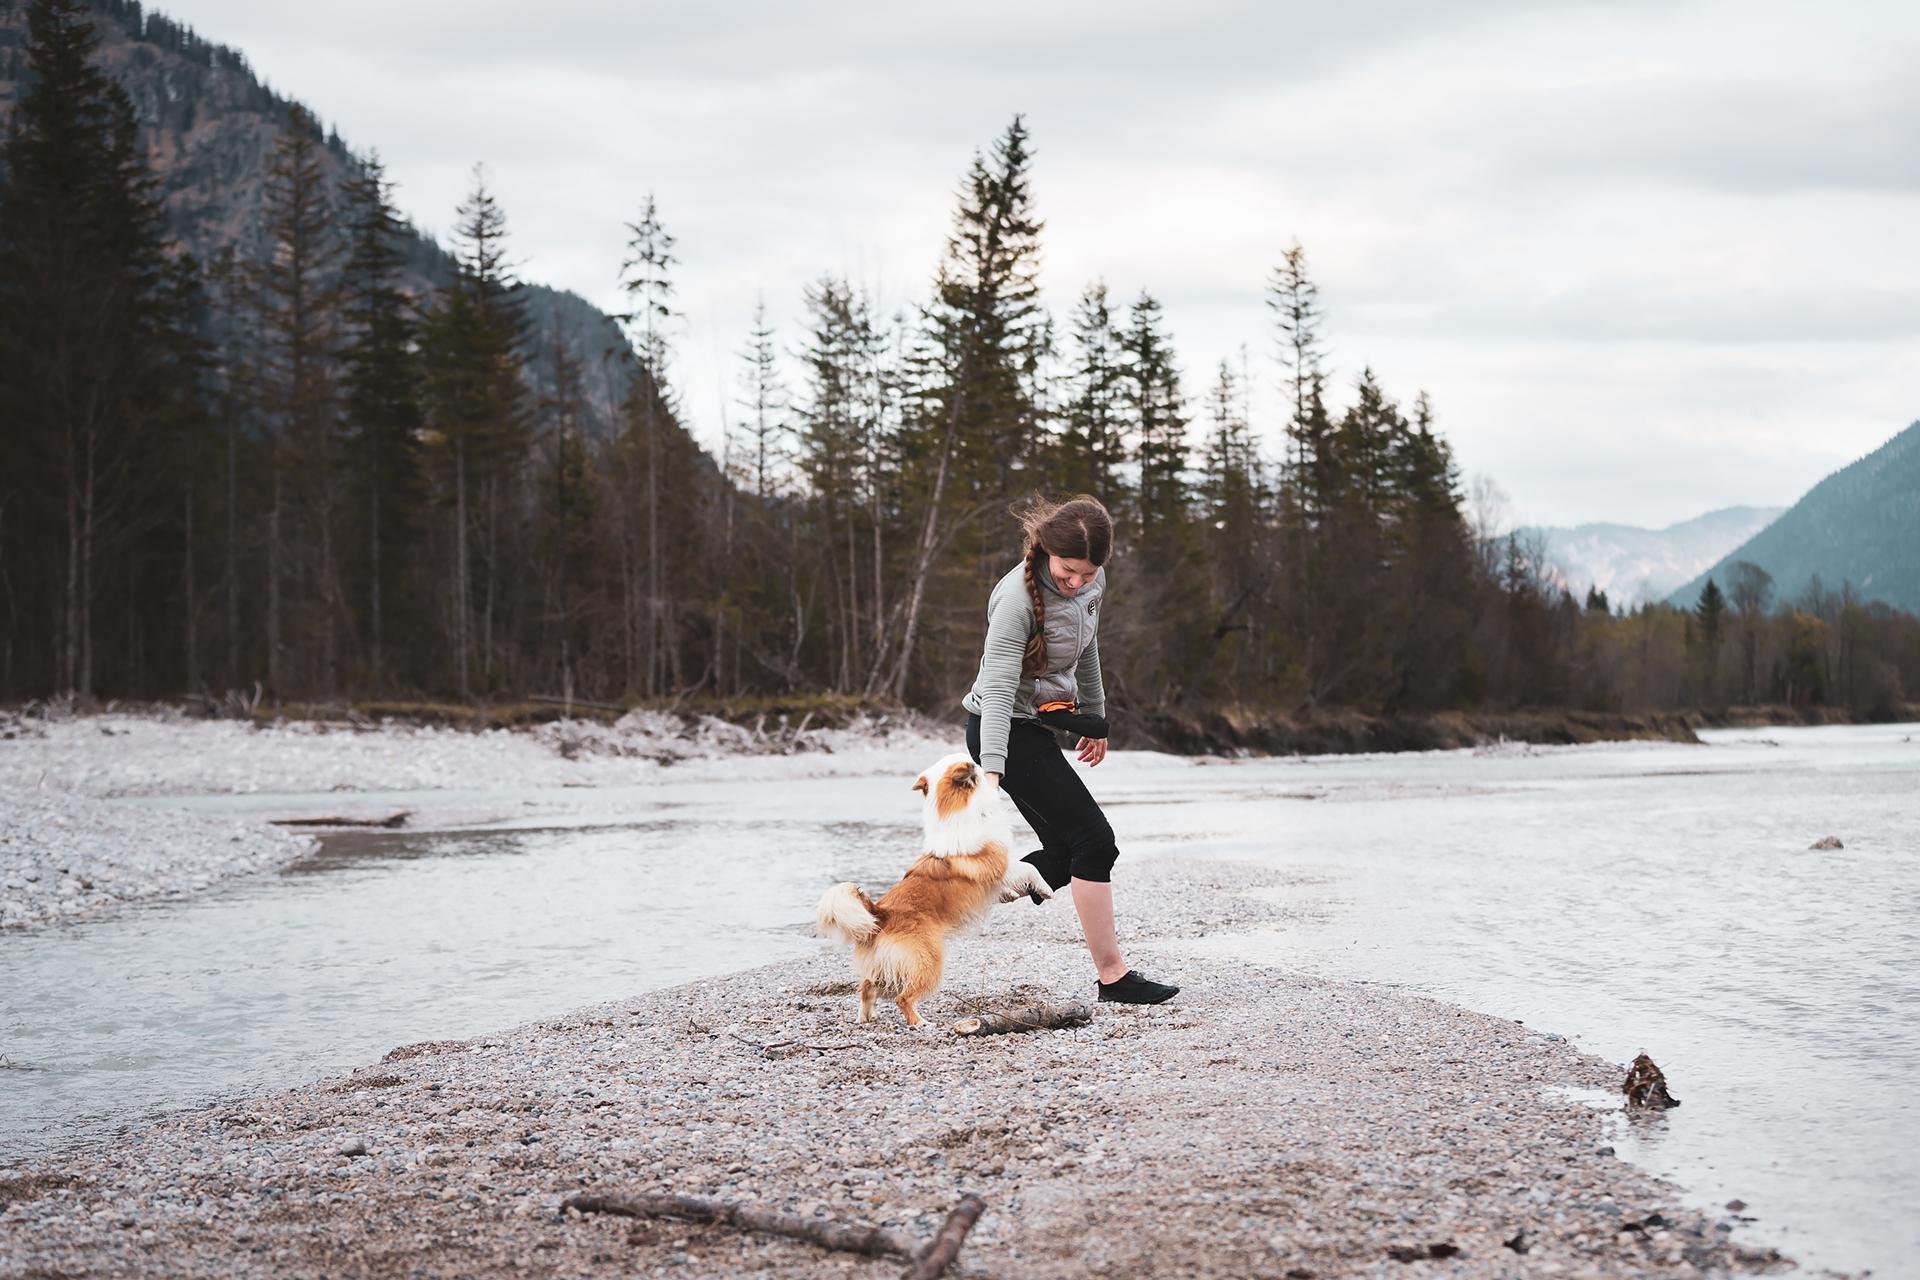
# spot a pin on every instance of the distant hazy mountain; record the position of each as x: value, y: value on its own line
x: 210, y: 126
x: 1860, y: 525
x: 1634, y: 565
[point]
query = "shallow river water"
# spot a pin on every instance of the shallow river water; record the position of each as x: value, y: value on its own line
x: 1630, y: 897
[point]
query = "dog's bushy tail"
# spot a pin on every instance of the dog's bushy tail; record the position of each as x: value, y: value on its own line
x: 846, y: 913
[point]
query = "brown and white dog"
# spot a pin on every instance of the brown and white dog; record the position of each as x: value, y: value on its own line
x: 899, y: 941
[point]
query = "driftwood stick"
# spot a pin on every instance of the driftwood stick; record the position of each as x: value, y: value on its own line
x: 875, y: 1242
x: 946, y: 1242
x: 1033, y: 1017
x: 397, y: 819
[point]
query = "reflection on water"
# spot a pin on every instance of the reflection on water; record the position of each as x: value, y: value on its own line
x: 382, y: 938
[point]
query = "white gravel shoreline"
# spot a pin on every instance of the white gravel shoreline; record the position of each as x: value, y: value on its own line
x: 1262, y: 1124
x: 70, y: 848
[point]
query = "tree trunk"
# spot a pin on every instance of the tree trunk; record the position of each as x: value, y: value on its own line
x: 233, y: 551
x: 654, y: 636
x: 70, y: 603
x: 854, y: 665
x: 87, y: 502
x: 273, y: 588
x: 461, y: 611
x: 377, y: 622
x: 329, y: 604
x: 923, y: 553
x: 493, y: 560
x: 189, y: 605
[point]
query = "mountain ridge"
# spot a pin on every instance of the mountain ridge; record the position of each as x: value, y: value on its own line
x: 1636, y: 565
x: 1859, y: 526
x: 209, y: 125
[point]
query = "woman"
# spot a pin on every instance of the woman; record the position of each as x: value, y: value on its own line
x: 1041, y: 659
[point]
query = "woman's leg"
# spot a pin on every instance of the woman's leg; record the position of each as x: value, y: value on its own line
x: 1053, y: 859
x: 1093, y: 900
x: 1077, y: 838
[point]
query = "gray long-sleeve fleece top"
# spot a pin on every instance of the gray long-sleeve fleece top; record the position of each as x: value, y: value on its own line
x: 1000, y: 692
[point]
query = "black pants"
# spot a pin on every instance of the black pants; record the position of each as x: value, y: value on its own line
x: 1076, y: 840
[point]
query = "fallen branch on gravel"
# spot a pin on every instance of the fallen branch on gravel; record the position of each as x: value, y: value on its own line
x: 946, y: 1242
x: 788, y: 1048
x: 874, y: 1242
x: 391, y: 820
x: 1033, y: 1017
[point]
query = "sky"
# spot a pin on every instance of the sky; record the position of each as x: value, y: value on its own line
x: 1648, y: 258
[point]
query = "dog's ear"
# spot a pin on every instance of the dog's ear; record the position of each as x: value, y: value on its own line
x: 920, y: 784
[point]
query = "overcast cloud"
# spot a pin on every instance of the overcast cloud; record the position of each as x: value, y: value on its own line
x: 1649, y: 259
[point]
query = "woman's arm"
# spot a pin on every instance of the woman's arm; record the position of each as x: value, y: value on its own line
x: 1086, y: 676
x: 1008, y: 624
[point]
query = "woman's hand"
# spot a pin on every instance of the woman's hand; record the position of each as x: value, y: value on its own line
x: 992, y: 781
x: 1093, y: 750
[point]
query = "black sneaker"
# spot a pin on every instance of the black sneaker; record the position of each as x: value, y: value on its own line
x: 1131, y: 988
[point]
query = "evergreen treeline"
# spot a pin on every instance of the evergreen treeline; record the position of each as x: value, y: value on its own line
x: 369, y: 493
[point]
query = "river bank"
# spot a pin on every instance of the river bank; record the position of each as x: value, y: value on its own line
x: 74, y: 844
x: 72, y: 848
x: 1246, y: 731
x: 1261, y: 1124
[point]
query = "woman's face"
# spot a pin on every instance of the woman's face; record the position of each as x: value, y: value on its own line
x: 1070, y: 575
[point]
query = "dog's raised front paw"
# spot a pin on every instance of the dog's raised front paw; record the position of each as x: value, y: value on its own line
x: 1024, y: 881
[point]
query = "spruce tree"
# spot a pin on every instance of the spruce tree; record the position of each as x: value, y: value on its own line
x: 1156, y: 420
x: 840, y: 419
x: 569, y: 512
x: 1092, y: 445
x: 84, y: 331
x: 1294, y: 299
x: 298, y: 301
x: 975, y: 422
x: 381, y: 403
x: 646, y: 277
x: 473, y: 345
x: 1370, y: 438
x: 1232, y: 484
x: 766, y: 403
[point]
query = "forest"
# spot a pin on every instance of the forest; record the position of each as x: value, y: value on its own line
x: 302, y: 476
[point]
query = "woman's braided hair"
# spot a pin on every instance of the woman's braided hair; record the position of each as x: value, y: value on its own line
x: 1078, y: 529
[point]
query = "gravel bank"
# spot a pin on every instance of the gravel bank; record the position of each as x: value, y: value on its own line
x: 1260, y: 1125
x: 69, y: 847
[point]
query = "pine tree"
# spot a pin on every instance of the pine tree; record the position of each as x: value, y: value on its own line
x: 840, y: 421
x: 182, y: 481
x: 382, y: 389
x: 1294, y: 299
x: 1156, y: 420
x: 646, y: 277
x: 1091, y: 443
x: 569, y: 510
x: 298, y: 317
x: 85, y: 326
x: 1236, y: 534
x: 766, y: 404
x: 1748, y: 593
x: 473, y: 343
x: 1232, y: 484
x: 1367, y: 443
x: 984, y: 334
